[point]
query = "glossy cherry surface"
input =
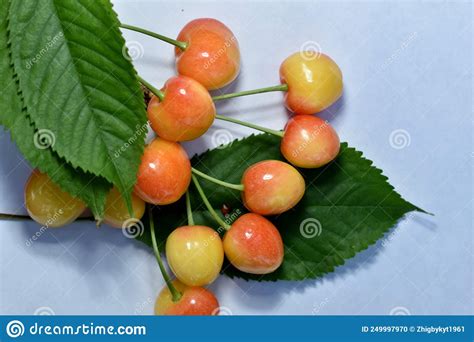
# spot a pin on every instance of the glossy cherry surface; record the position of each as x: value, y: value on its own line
x: 314, y: 82
x: 186, y: 112
x: 212, y: 56
x: 272, y: 187
x: 195, y: 301
x: 195, y: 254
x: 47, y: 204
x: 164, y: 173
x: 309, y: 142
x: 254, y: 245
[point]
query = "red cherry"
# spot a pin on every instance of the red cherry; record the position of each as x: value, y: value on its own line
x: 212, y: 56
x: 254, y: 245
x: 164, y: 173
x: 185, y: 113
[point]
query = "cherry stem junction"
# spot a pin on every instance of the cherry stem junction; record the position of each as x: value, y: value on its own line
x: 239, y: 187
x: 182, y: 45
x: 189, y: 211
x: 154, y: 90
x: 176, y: 295
x: 250, y: 125
x: 208, y: 205
x: 280, y: 87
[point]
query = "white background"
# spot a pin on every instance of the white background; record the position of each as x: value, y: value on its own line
x: 406, y: 65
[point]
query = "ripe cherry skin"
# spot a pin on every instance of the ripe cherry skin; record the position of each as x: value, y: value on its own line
x: 164, y: 173
x: 212, y: 57
x: 195, y: 254
x: 309, y: 142
x: 116, y: 212
x: 314, y: 82
x: 195, y: 301
x: 254, y: 245
x: 272, y: 187
x: 47, y: 204
x: 186, y: 112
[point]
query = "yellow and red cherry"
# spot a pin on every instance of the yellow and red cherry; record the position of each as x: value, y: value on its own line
x: 254, y: 245
x: 47, y: 204
x: 212, y: 54
x: 194, y: 301
x: 314, y: 82
x: 186, y: 111
x: 195, y: 254
x: 116, y: 212
x: 164, y: 173
x: 309, y: 142
x: 272, y: 187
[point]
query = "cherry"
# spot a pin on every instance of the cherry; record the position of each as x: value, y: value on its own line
x: 314, y: 82
x: 195, y: 254
x: 178, y: 298
x: 254, y: 245
x: 265, y: 187
x: 309, y: 142
x: 164, y: 173
x: 184, y: 112
x: 194, y: 301
x: 212, y: 55
x: 116, y: 211
x: 272, y: 187
x: 47, y: 204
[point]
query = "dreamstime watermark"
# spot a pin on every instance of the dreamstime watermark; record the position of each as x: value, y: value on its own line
x: 399, y: 311
x: 57, y: 214
x: 142, y: 306
x: 310, y: 228
x: 309, y: 140
x: 403, y: 46
x: 399, y: 139
x: 133, y: 50
x: 310, y: 50
x: 133, y: 228
x: 51, y: 43
x: 43, y: 139
x: 140, y: 130
x: 219, y: 53
x: 222, y: 138
x: 44, y: 311
x: 318, y: 307
x: 15, y: 329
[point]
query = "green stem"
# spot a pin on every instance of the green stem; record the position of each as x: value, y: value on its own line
x: 182, y: 45
x: 239, y: 187
x: 176, y: 295
x: 208, y: 205
x: 154, y: 90
x: 189, y: 210
x: 280, y: 87
x: 248, y: 124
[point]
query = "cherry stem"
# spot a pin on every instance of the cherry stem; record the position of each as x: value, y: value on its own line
x: 239, y: 187
x: 189, y: 211
x: 154, y: 90
x: 182, y: 45
x: 208, y: 205
x: 248, y: 124
x: 176, y: 295
x: 280, y: 87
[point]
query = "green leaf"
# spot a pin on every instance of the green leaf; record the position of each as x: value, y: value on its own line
x: 78, y: 84
x: 348, y: 206
x: 92, y: 190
